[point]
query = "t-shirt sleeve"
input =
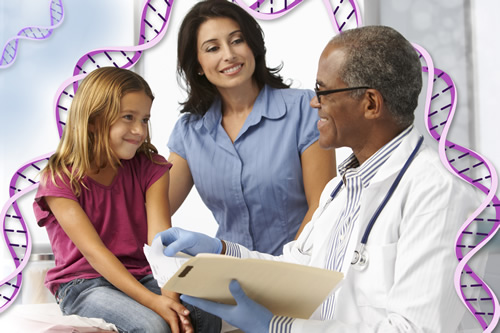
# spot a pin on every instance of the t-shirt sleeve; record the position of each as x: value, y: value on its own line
x: 47, y: 188
x: 151, y: 172
x: 307, y: 131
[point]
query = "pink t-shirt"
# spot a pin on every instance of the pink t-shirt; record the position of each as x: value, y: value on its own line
x: 117, y: 212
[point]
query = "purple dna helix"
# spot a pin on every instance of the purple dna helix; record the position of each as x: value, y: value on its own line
x: 33, y: 33
x: 268, y: 10
x: 15, y: 232
x: 482, y: 225
x: 346, y: 14
x: 154, y: 22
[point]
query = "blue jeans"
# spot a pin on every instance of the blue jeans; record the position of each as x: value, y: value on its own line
x: 97, y: 298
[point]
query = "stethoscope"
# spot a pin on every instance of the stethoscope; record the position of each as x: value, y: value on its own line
x: 360, y: 258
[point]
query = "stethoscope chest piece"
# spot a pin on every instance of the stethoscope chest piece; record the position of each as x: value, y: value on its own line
x: 360, y: 259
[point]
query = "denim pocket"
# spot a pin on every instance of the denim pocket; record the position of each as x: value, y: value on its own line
x: 63, y: 289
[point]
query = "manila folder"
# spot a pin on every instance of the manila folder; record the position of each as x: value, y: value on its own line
x: 285, y: 289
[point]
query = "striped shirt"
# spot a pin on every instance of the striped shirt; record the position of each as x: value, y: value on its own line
x: 254, y: 185
x: 355, y: 178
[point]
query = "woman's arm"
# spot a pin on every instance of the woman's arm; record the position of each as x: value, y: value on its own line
x: 80, y: 230
x: 318, y: 168
x: 181, y: 181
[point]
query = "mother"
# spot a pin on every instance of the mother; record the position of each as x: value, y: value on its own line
x: 246, y: 140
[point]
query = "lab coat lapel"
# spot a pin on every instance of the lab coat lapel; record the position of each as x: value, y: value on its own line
x: 373, y: 195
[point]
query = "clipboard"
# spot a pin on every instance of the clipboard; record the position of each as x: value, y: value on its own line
x: 285, y: 289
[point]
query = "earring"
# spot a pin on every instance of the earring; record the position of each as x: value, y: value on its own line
x: 200, y: 73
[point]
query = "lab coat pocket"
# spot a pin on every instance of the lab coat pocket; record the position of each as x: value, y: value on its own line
x: 373, y: 284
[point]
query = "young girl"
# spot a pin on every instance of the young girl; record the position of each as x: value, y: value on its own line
x: 102, y: 196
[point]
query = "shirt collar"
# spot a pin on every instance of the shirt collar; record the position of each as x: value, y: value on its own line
x: 269, y: 104
x: 351, y: 168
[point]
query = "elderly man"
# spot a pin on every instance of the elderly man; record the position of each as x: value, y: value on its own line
x: 390, y: 218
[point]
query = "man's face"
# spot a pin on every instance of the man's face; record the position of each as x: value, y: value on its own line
x: 340, y: 114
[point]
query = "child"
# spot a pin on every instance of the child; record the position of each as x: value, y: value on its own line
x: 102, y: 196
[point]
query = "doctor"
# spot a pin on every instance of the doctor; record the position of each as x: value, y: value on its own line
x: 367, y: 88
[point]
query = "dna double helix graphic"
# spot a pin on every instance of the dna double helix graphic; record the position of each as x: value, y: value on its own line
x: 344, y: 14
x: 15, y: 232
x: 482, y: 225
x: 33, y: 33
x: 268, y: 10
x: 153, y: 25
x: 439, y: 111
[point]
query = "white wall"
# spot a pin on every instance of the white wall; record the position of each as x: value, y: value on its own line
x: 487, y: 73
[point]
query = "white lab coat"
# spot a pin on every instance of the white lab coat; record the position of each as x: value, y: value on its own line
x: 407, y: 285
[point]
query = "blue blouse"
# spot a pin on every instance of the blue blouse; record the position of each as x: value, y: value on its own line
x: 253, y: 187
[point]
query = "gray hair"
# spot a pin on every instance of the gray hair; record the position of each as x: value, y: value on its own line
x: 381, y: 58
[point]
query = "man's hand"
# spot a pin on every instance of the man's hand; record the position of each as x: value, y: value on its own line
x: 177, y: 239
x: 247, y: 315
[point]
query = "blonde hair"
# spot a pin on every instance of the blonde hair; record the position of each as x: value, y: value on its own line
x: 85, y: 140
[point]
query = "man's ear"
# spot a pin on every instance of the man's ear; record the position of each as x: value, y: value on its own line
x: 373, y: 103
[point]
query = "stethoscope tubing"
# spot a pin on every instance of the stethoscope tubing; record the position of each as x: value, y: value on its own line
x: 381, y: 206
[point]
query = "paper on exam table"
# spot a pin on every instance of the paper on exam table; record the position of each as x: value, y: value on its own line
x: 285, y: 289
x: 163, y: 267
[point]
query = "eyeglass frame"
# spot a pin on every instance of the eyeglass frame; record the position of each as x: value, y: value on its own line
x: 333, y: 91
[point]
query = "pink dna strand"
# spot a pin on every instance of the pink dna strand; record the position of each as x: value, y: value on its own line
x: 33, y: 33
x: 268, y: 10
x: 344, y: 14
x: 154, y: 22
x: 482, y: 225
x: 15, y: 231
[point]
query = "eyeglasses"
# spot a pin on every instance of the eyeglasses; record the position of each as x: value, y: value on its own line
x: 327, y: 92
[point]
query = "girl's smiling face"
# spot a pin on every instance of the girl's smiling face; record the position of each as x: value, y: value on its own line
x: 128, y: 133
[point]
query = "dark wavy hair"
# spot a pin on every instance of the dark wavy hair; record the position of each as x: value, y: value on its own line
x: 201, y: 93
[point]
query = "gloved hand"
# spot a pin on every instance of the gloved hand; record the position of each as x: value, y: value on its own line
x: 177, y: 239
x: 247, y: 315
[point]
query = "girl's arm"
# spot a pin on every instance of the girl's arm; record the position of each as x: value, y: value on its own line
x: 318, y: 168
x: 80, y: 230
x: 158, y: 213
x: 181, y: 181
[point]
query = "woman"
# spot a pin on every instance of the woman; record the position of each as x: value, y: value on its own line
x: 246, y: 141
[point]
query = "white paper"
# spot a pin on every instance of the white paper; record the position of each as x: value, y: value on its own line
x: 163, y: 267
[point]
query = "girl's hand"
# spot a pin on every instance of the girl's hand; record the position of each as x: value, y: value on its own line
x: 169, y: 307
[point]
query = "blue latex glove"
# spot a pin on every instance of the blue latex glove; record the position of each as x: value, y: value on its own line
x: 177, y: 239
x: 247, y: 315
